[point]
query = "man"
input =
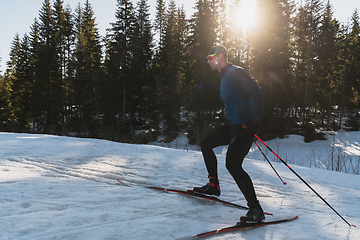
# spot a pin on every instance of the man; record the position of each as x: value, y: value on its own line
x: 244, y: 104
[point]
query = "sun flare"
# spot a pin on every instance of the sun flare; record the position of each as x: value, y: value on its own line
x: 244, y: 14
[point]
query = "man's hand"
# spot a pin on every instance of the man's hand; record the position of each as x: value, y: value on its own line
x: 254, y: 125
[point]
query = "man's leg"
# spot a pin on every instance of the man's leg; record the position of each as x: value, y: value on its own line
x: 219, y: 137
x: 238, y: 149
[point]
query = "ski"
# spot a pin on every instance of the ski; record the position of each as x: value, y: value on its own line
x: 195, y: 194
x: 240, y: 226
x: 199, y: 195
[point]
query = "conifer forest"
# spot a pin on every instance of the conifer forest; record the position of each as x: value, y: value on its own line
x: 150, y: 75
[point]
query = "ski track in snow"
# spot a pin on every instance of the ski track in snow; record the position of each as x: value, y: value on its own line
x: 55, y: 187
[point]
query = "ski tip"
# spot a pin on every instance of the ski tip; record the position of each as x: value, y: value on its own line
x: 267, y: 213
x: 353, y: 225
x: 119, y: 181
x: 285, y: 183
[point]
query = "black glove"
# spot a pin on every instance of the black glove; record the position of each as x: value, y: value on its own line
x: 253, y: 126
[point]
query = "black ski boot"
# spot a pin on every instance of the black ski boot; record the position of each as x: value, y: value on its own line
x: 211, y: 188
x: 254, y: 215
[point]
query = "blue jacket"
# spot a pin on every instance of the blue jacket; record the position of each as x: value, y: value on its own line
x: 244, y: 100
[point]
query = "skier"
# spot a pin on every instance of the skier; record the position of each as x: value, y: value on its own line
x: 244, y: 104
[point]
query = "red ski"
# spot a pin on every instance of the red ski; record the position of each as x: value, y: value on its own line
x: 240, y: 226
x: 198, y: 195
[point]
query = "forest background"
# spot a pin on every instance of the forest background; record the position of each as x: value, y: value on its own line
x: 64, y: 78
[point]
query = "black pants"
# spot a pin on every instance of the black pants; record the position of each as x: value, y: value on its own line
x: 239, y: 141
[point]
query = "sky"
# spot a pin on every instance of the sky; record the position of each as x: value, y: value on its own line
x: 16, y: 16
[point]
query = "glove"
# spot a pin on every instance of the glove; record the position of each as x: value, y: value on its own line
x: 253, y: 126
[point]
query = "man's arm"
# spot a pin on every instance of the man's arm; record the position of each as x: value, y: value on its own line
x: 249, y: 90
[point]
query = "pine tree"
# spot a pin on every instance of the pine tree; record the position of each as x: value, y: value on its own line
x: 160, y: 20
x: 328, y: 74
x: 68, y: 71
x: 17, y: 85
x: 169, y: 55
x: 48, y: 73
x: 223, y: 22
x: 203, y: 83
x: 87, y: 66
x: 10, y: 78
x: 22, y: 86
x: 271, y: 49
x: 65, y: 41
x: 36, y: 99
x: 158, y: 63
x: 121, y: 37
x: 353, y: 63
x: 306, y: 31
x: 300, y: 57
x: 14, y: 55
x: 313, y: 9
x: 143, y: 84
x: 59, y: 25
x: 169, y: 64
x: 0, y: 65
x: 237, y: 44
x: 5, y: 113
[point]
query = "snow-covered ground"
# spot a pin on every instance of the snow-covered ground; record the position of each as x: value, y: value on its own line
x: 54, y: 187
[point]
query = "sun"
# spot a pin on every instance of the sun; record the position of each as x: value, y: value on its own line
x: 244, y: 14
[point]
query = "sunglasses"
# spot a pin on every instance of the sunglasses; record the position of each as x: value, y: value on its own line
x: 211, y: 56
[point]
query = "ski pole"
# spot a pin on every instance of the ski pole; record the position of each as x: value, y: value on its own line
x: 304, y: 181
x: 269, y: 162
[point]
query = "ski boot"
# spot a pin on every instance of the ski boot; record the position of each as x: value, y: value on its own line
x: 254, y: 215
x: 211, y: 188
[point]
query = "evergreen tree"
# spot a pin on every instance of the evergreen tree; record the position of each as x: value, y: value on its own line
x: 272, y: 57
x: 343, y: 54
x: 353, y: 62
x: 169, y: 55
x: 160, y: 20
x: 328, y: 74
x: 48, y: 73
x: 10, y: 77
x: 14, y: 56
x: 203, y: 94
x: 59, y: 25
x: 158, y: 64
x: 314, y: 9
x: 237, y: 43
x: 300, y: 57
x: 110, y: 90
x: 223, y: 23
x: 36, y: 95
x: 4, y: 103
x: 121, y: 38
x: 68, y: 71
x: 22, y: 86
x: 169, y: 66
x: 142, y: 88
x: 65, y: 40
x: 87, y: 66
x: 306, y: 31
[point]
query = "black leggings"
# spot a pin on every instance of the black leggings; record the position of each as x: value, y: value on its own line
x: 239, y: 141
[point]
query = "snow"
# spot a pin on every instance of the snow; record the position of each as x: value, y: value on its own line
x: 54, y: 187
